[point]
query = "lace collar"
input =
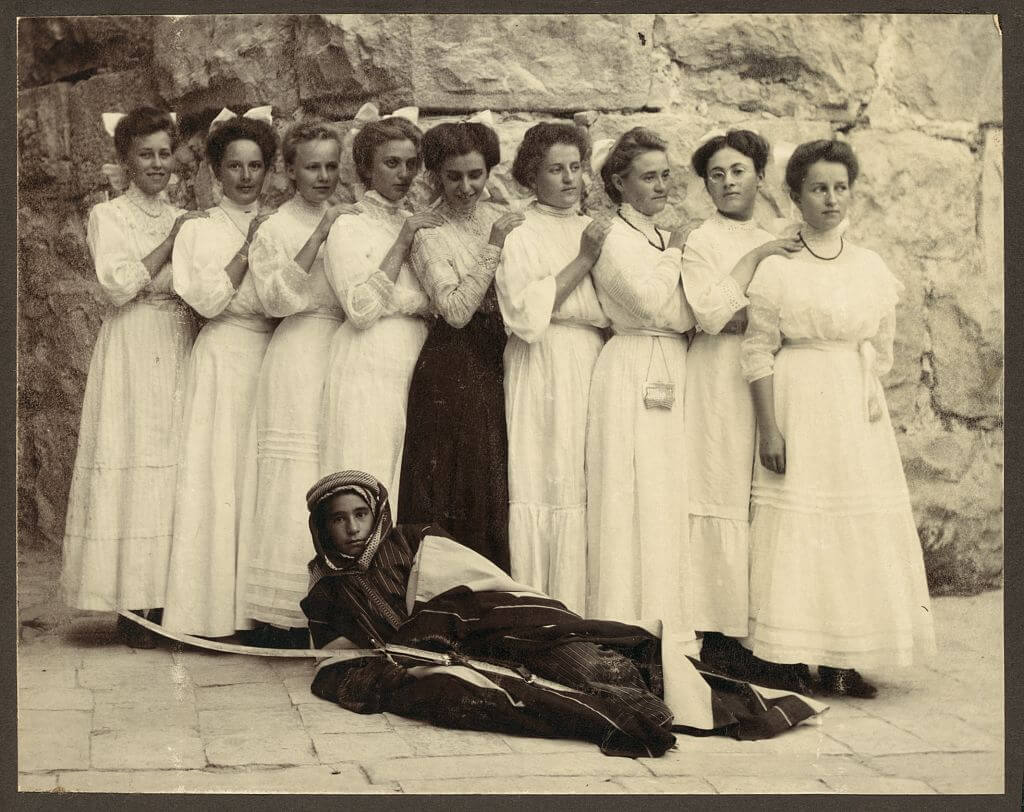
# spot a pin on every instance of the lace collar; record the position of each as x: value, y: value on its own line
x: 381, y: 202
x: 305, y: 210
x: 150, y: 205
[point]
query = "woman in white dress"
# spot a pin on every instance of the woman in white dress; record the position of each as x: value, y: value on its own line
x: 719, y: 261
x: 118, y: 532
x: 373, y: 353
x: 637, y: 541
x: 287, y: 267
x: 551, y: 311
x: 837, y: 576
x: 211, y: 260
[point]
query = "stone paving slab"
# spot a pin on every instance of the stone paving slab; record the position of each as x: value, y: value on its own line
x: 311, y: 779
x: 528, y: 744
x: 37, y: 782
x: 284, y: 747
x: 135, y: 717
x: 324, y: 717
x: 532, y: 785
x: 55, y: 699
x: 250, y: 695
x: 144, y: 694
x: 53, y: 740
x: 675, y: 763
x: 147, y: 749
x: 768, y: 784
x: 94, y: 781
x: 512, y: 764
x: 433, y: 741
x: 948, y: 772
x: 239, y: 669
x: 234, y: 721
x: 47, y: 676
x: 873, y: 736
x: 877, y: 785
x: 298, y: 690
x: 943, y: 731
x: 360, y: 747
x: 671, y: 785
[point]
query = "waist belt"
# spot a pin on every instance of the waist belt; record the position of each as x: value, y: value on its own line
x: 866, y: 353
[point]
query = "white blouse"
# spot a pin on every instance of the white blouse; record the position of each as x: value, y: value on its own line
x: 639, y: 285
x: 203, y: 249
x: 455, y: 263
x: 354, y: 250
x: 120, y: 233
x: 284, y: 287
x: 849, y: 299
x: 534, y: 253
x: 712, y: 251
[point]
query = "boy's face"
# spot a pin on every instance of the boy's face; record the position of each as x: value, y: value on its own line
x: 349, y: 521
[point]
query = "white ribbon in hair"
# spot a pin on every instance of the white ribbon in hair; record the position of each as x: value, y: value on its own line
x: 110, y: 121
x: 264, y: 113
x: 485, y: 117
x: 369, y: 112
x: 599, y: 153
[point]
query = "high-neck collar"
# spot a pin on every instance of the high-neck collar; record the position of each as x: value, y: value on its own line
x: 828, y: 241
x: 637, y: 217
x: 375, y: 197
x: 554, y: 211
x: 152, y: 205
x: 233, y: 208
x: 306, y: 208
x: 729, y: 224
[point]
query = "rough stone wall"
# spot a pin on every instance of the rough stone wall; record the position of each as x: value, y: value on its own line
x: 918, y: 96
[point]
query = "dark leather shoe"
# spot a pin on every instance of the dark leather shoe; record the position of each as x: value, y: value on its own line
x: 133, y: 635
x: 845, y: 682
x: 793, y: 677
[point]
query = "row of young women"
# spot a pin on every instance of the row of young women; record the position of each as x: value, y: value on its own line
x: 458, y: 355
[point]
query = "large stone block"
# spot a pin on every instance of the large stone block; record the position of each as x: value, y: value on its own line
x: 803, y: 65
x: 52, y: 49
x: 44, y: 138
x: 472, y: 61
x: 93, y: 147
x: 968, y: 370
x: 939, y: 67
x: 220, y: 59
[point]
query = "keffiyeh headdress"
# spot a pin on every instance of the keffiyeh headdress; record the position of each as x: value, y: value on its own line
x: 371, y: 491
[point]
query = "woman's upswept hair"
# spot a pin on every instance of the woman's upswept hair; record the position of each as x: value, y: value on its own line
x: 139, y: 123
x: 239, y: 129
x: 372, y: 135
x: 306, y: 131
x: 631, y: 144
x: 835, y: 152
x: 452, y: 140
x: 536, y: 143
x: 749, y: 143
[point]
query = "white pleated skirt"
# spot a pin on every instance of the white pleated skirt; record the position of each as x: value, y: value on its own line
x: 720, y: 459
x: 837, y: 575
x: 222, y: 378
x: 638, y: 556
x: 120, y: 506
x: 547, y: 392
x: 285, y: 466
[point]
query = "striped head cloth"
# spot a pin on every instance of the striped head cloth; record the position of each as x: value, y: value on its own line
x: 371, y: 491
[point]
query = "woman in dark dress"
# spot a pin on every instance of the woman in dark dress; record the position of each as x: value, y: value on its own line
x: 454, y: 467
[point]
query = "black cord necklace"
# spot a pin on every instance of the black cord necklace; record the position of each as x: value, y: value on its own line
x: 661, y: 239
x: 842, y: 245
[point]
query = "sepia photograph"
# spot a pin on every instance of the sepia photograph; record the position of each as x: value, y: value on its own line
x: 511, y: 404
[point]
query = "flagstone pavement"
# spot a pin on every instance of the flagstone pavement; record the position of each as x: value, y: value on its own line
x: 96, y: 716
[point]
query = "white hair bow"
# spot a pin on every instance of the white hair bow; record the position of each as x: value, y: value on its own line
x: 110, y: 121
x: 370, y: 112
x: 599, y: 153
x: 485, y: 117
x: 264, y: 113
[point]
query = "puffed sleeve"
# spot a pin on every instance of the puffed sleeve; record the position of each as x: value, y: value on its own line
x: 121, y: 275
x: 365, y: 292
x: 764, y: 336
x: 454, y: 298
x: 713, y: 297
x: 888, y: 289
x: 638, y: 277
x: 526, y: 303
x: 198, y: 269
x: 281, y: 284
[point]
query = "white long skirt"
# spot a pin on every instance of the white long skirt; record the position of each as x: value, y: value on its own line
x: 275, y: 530
x: 222, y: 381
x: 118, y: 530
x: 720, y: 428
x: 547, y: 391
x: 837, y: 576
x: 638, y: 561
x: 365, y: 395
